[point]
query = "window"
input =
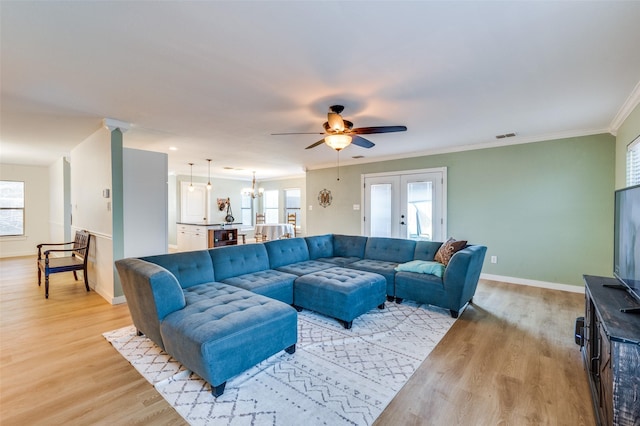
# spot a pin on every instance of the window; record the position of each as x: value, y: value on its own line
x: 292, y: 204
x: 11, y: 208
x: 247, y: 217
x: 271, y: 206
x: 633, y: 162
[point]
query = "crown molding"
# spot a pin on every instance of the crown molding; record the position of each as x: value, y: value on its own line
x: 518, y: 140
x: 627, y: 107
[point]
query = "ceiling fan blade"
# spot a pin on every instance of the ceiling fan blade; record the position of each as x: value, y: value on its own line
x: 379, y: 129
x: 297, y: 133
x: 313, y: 145
x: 360, y: 141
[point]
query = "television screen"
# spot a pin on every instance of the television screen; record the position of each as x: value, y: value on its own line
x: 626, y: 257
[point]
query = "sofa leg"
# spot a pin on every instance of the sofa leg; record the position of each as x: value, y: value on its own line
x: 381, y: 306
x: 291, y: 349
x: 398, y: 300
x: 297, y: 308
x: 139, y: 333
x: 390, y: 298
x: 218, y: 390
x: 454, y: 314
x: 346, y: 324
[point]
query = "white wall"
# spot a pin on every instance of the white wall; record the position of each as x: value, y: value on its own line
x: 36, y: 185
x: 90, y: 175
x: 145, y: 213
x: 58, y: 210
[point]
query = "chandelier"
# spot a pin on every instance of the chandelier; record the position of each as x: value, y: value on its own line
x: 251, y: 192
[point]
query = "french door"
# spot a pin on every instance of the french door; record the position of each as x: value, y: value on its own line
x: 408, y: 204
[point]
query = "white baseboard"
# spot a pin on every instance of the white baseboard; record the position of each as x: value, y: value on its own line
x: 534, y: 283
x: 114, y: 300
x: 118, y: 300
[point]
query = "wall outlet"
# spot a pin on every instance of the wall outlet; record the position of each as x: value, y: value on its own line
x: 356, y: 206
x: 494, y: 259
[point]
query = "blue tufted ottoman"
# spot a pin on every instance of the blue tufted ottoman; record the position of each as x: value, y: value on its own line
x: 224, y: 330
x: 340, y: 293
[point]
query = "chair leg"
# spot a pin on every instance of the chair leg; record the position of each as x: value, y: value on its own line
x: 46, y: 286
x: 86, y: 279
x: 75, y: 275
x: 39, y: 275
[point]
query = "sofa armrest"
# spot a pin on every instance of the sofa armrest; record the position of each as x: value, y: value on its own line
x: 463, y: 272
x: 152, y: 293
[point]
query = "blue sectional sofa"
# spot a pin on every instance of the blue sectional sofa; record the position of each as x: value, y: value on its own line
x: 223, y: 310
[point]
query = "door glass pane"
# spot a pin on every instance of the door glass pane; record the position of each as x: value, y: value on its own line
x: 381, y: 210
x: 419, y: 218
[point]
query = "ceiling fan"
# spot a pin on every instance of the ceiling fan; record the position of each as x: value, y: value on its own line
x: 339, y: 133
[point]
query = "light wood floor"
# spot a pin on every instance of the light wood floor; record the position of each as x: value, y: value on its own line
x: 510, y: 359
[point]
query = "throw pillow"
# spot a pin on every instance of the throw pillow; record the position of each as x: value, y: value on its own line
x: 448, y: 249
x: 422, y: 267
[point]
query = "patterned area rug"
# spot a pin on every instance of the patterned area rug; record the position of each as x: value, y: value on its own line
x: 335, y: 377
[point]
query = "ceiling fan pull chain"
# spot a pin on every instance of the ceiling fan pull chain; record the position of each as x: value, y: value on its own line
x: 338, y: 165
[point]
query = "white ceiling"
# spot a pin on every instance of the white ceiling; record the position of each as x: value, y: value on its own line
x: 214, y: 79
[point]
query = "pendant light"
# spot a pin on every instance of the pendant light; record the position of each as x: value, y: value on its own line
x: 209, y: 175
x: 191, y: 188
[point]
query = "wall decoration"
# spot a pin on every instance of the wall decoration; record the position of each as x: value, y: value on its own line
x: 324, y: 198
x: 222, y: 204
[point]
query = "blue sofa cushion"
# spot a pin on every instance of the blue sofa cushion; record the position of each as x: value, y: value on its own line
x: 231, y: 261
x: 190, y: 268
x: 338, y: 260
x: 306, y: 267
x: 223, y: 330
x: 384, y: 268
x: 274, y: 284
x: 286, y: 251
x: 320, y: 246
x: 389, y: 249
x: 349, y: 246
x: 426, y: 250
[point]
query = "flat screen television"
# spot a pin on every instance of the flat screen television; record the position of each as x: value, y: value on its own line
x: 626, y: 249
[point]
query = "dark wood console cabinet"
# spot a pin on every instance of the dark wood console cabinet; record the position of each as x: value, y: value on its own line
x: 611, y: 351
x: 222, y: 237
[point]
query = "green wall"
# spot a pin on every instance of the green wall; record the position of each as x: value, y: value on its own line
x: 545, y: 208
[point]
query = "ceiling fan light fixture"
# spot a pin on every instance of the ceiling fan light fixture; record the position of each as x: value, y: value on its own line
x: 338, y: 142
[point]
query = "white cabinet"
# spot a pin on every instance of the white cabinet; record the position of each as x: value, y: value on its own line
x: 192, y: 237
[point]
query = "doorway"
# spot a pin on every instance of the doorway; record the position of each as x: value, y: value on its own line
x: 410, y: 204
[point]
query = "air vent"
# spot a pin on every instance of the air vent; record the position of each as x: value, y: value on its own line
x: 358, y: 156
x: 506, y: 135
